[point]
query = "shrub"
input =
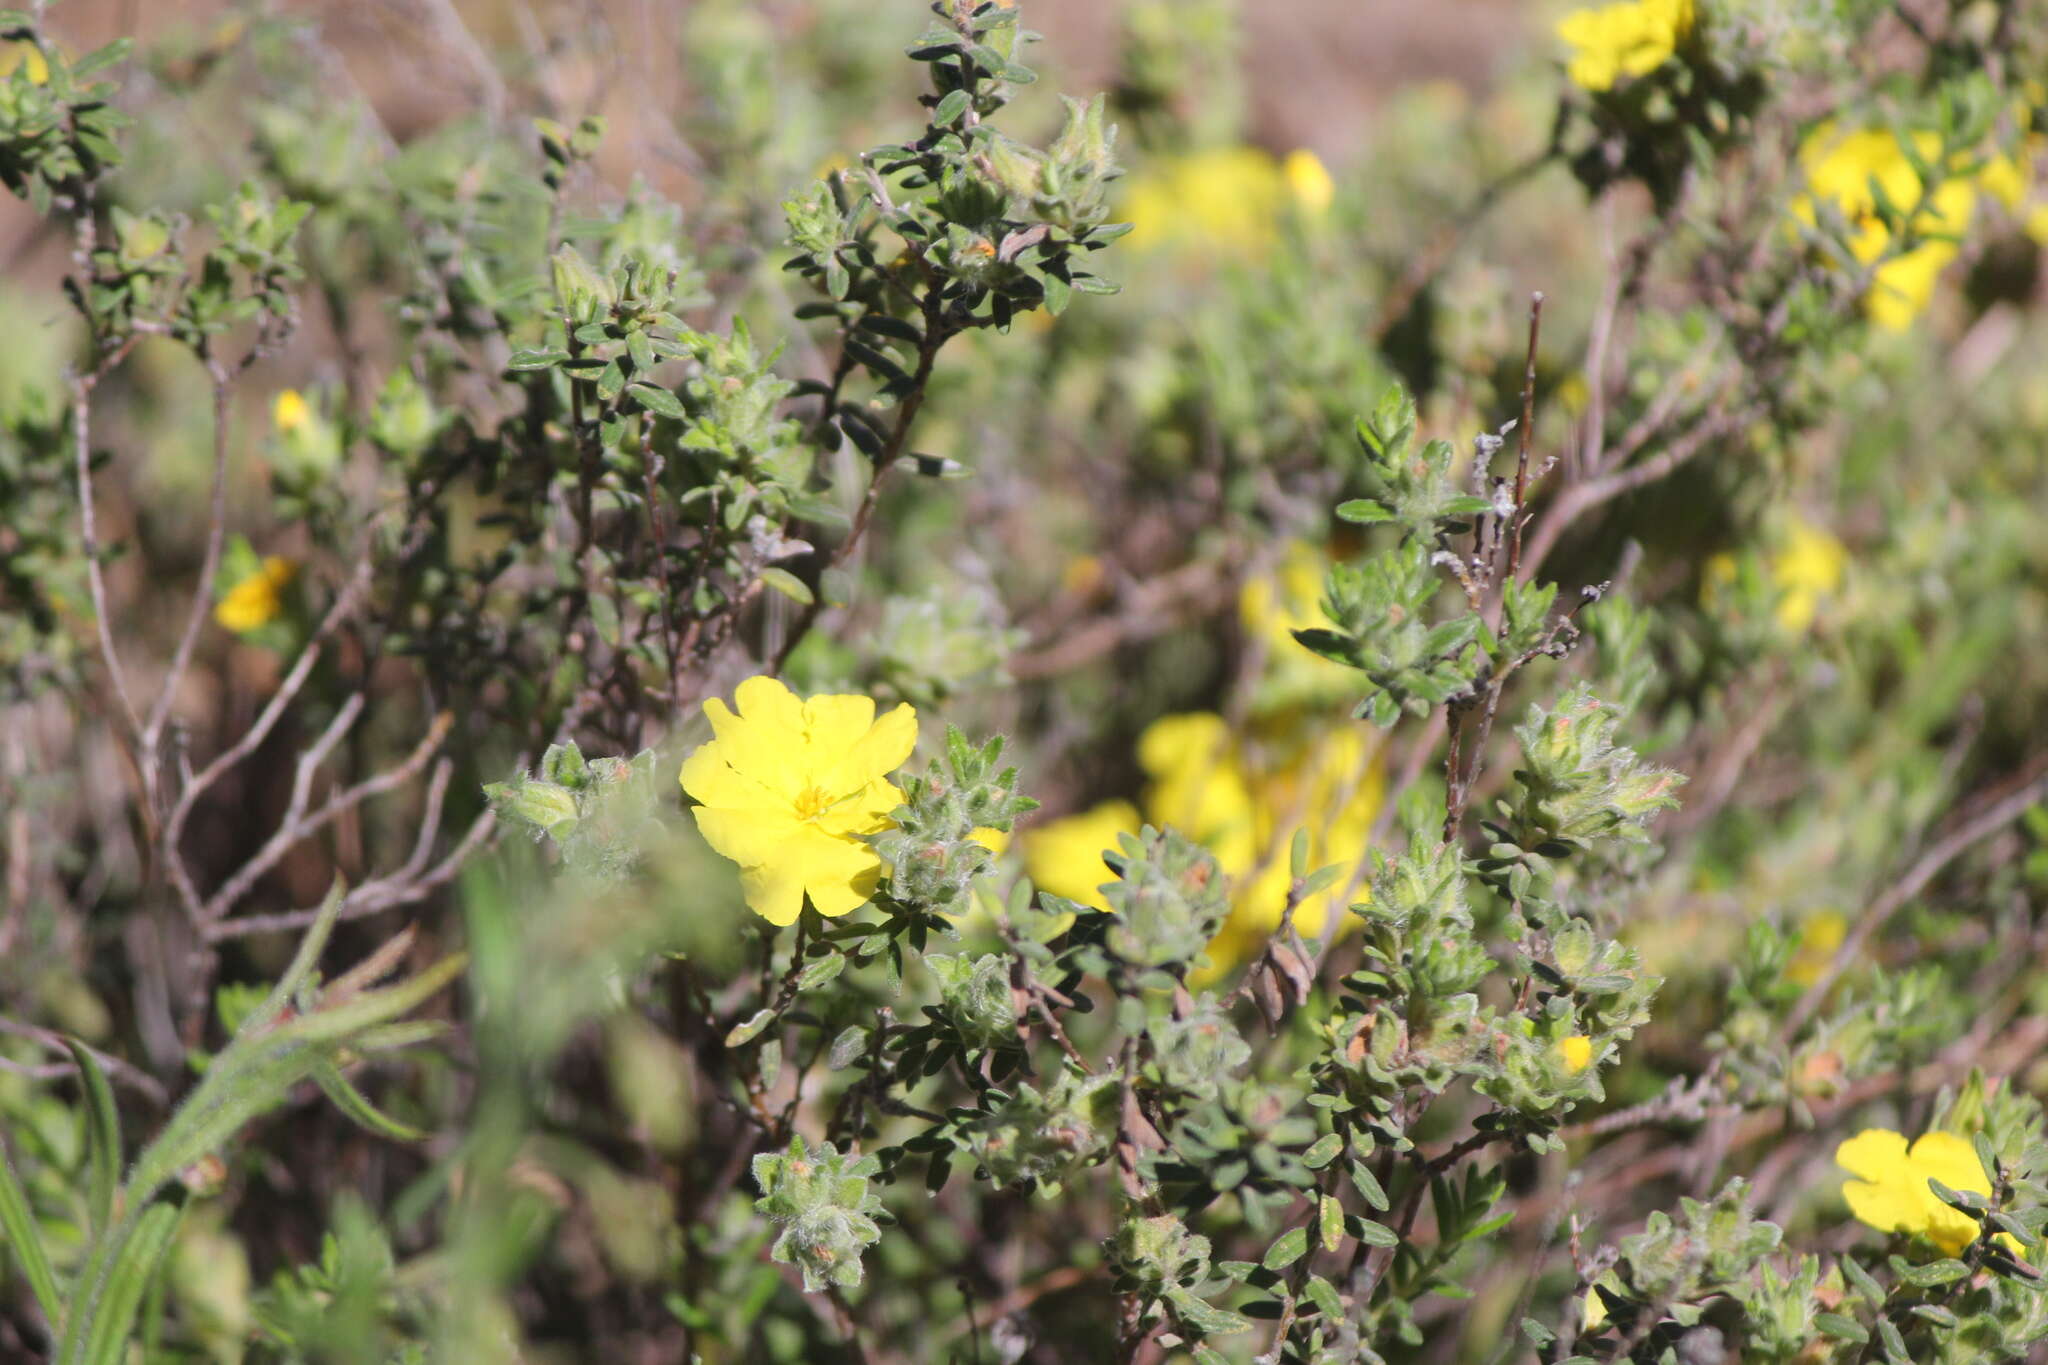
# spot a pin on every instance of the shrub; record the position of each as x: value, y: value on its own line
x: 956, y: 754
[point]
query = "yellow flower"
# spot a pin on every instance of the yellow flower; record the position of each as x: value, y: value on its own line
x: 27, y: 58
x: 1807, y: 567
x: 1628, y: 39
x: 290, y: 412
x: 1198, y: 787
x: 786, y: 787
x: 1065, y: 856
x: 1848, y: 170
x: 1576, y: 1052
x: 1892, y: 1194
x: 1246, y: 814
x: 1309, y: 180
x: 257, y: 600
x: 1332, y: 788
x: 1228, y: 199
x: 994, y: 840
x: 1271, y: 607
x: 1819, y: 937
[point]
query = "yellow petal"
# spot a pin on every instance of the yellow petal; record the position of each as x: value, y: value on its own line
x: 834, y: 721
x: 1951, y: 1159
x: 875, y: 750
x: 1065, y: 856
x: 1309, y: 180
x: 1576, y: 1052
x: 765, y: 740
x: 748, y: 836
x: 1874, y: 1154
x: 708, y: 778
x: 1887, y: 1207
x: 768, y: 701
x: 290, y: 411
x: 775, y: 892
x: 839, y: 874
x: 865, y: 811
x: 1174, y: 744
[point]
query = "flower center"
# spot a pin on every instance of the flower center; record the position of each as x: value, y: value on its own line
x: 812, y: 802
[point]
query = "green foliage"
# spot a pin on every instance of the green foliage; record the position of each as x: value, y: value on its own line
x: 1251, y: 1032
x: 822, y: 1203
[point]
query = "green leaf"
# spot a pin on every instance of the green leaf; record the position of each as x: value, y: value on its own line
x: 821, y: 970
x: 536, y: 360
x: 849, y: 1047
x: 895, y: 328
x: 1204, y: 1317
x: 1367, y: 1184
x: 1330, y: 1218
x: 102, y: 1135
x: 1287, y: 1250
x: 351, y: 1102
x: 1058, y: 293
x: 658, y: 401
x: 1934, y: 1273
x: 18, y: 1224
x: 1371, y: 1233
x: 950, y: 109
x: 788, y: 584
x: 128, y: 1279
x: 640, y: 349
x: 748, y: 1031
x: 1364, y: 511
x: 1323, y: 1151
x: 100, y: 60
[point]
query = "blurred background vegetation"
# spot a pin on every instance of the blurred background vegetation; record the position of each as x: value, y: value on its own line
x: 1817, y: 516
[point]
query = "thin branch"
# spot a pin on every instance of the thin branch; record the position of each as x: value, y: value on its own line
x: 1522, y: 451
x: 1581, y: 498
x: 202, y: 593
x: 266, y: 720
x: 2026, y: 790
x: 299, y: 823
x: 141, y: 1082
x: 386, y: 893
x: 95, y: 576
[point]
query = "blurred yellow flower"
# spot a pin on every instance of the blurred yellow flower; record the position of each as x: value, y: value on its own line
x: 1892, y: 1194
x: 1807, y: 567
x: 994, y: 840
x: 1198, y: 788
x: 1819, y: 937
x: 1308, y: 180
x: 257, y: 600
x: 1064, y: 856
x: 787, y: 785
x: 27, y: 58
x: 1576, y: 1052
x: 1633, y: 38
x: 1228, y: 199
x: 1332, y: 787
x: 1244, y: 813
x: 290, y: 412
x: 1275, y: 605
x: 1849, y: 170
x: 1271, y: 607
